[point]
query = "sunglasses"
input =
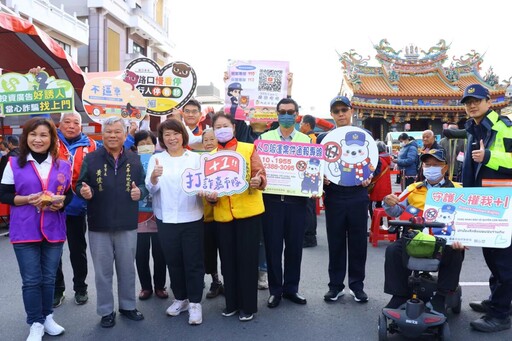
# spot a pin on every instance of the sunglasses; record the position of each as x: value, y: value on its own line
x: 285, y: 112
x: 343, y: 110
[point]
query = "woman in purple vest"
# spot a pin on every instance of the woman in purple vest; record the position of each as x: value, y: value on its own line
x: 37, y: 186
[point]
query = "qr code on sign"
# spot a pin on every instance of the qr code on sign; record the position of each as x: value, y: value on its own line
x: 270, y: 80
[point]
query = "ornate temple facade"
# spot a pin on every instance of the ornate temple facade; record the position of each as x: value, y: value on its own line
x: 414, y: 87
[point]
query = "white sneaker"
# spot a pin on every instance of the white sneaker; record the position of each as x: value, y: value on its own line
x: 36, y: 332
x: 195, y: 313
x: 51, y: 327
x: 177, y: 307
x: 262, y: 280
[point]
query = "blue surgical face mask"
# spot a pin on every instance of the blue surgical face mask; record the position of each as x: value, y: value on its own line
x: 224, y: 134
x: 286, y: 121
x: 433, y: 173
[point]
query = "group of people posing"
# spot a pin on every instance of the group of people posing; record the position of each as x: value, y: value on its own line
x: 63, y: 179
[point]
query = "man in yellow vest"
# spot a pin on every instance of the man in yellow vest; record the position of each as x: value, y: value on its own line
x: 396, y: 274
x: 489, y: 156
x: 283, y: 219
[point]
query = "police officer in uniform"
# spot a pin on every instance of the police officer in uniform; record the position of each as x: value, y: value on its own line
x: 346, y: 215
x: 283, y: 220
x: 488, y: 156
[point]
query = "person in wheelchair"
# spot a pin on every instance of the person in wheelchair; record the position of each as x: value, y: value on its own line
x: 396, y: 272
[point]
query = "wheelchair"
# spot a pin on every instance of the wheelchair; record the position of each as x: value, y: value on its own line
x: 417, y: 317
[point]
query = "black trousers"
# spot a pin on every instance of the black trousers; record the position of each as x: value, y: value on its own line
x: 76, y: 228
x: 238, y: 247
x: 346, y: 217
x: 396, y: 273
x: 182, y: 245
x: 211, y: 245
x: 310, y: 230
x: 283, y: 221
x: 500, y: 264
x: 145, y: 242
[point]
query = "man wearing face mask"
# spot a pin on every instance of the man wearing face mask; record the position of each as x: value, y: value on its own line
x: 395, y: 272
x: 284, y: 218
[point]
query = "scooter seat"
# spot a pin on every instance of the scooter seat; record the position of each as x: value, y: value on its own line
x: 423, y: 264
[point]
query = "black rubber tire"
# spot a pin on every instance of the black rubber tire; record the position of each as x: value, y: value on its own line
x: 383, y: 327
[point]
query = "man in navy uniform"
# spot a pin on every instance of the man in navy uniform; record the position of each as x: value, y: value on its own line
x: 346, y: 215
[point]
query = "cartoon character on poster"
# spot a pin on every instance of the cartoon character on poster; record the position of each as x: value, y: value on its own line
x: 234, y: 92
x: 351, y: 156
x: 164, y: 88
x: 310, y: 177
x: 446, y: 215
x: 35, y: 94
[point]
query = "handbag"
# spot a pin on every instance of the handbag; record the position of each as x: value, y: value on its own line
x: 371, y: 186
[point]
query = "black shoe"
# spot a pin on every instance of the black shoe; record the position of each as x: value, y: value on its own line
x: 439, y: 304
x: 332, y: 295
x: 395, y: 302
x: 227, y: 313
x: 133, y: 315
x: 81, y: 297
x: 273, y: 301
x: 108, y: 321
x: 490, y: 324
x: 244, y: 317
x: 216, y: 288
x: 58, y: 298
x: 359, y: 296
x: 481, y: 306
x: 295, y: 298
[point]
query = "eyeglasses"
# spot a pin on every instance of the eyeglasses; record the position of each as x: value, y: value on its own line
x: 193, y: 111
x: 337, y: 111
x: 286, y: 112
x: 471, y: 101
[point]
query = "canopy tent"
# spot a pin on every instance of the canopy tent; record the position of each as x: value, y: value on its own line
x: 24, y: 46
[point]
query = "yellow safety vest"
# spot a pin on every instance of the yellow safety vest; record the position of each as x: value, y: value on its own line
x: 245, y: 205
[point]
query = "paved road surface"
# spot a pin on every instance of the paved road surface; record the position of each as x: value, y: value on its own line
x: 343, y: 320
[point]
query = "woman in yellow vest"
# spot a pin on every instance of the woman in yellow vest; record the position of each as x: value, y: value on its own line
x: 238, y: 220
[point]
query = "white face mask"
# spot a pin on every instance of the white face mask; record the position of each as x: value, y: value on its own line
x: 402, y: 144
x: 433, y: 173
x: 147, y: 149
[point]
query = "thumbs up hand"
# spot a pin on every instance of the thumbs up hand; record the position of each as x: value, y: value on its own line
x: 256, y: 180
x: 479, y: 154
x: 157, y: 172
x: 86, y: 191
x: 135, y: 192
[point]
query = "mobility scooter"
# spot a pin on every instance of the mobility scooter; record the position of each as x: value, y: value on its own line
x: 417, y: 317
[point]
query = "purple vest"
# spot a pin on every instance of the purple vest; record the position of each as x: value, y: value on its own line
x: 26, y: 224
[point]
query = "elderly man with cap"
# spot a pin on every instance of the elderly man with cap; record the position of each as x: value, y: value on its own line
x: 283, y: 220
x: 346, y: 215
x: 488, y: 156
x: 395, y: 272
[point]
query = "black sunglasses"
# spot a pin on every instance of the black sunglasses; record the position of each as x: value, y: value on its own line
x: 343, y: 110
x: 284, y: 112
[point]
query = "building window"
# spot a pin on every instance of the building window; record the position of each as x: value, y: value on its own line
x: 138, y: 49
x: 65, y: 47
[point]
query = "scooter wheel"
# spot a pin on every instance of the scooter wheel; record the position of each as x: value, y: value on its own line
x: 383, y: 327
x: 444, y: 332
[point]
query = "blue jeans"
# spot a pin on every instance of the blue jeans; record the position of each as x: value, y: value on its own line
x: 38, y: 263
